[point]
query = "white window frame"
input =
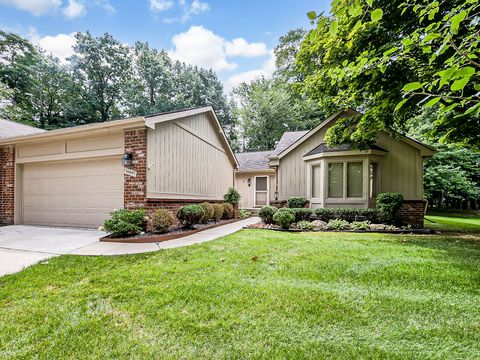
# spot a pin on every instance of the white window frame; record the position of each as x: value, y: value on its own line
x: 255, y: 189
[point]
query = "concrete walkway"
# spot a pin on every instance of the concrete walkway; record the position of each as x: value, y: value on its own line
x: 22, y: 246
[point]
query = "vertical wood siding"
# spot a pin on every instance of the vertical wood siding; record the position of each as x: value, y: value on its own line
x: 248, y: 192
x: 186, y: 159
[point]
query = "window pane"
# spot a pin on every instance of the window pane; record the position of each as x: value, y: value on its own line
x: 261, y: 198
x: 261, y: 183
x: 335, y: 180
x: 373, y: 179
x: 316, y: 181
x: 354, y: 179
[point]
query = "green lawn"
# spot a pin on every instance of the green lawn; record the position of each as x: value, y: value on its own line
x: 455, y: 221
x: 254, y: 294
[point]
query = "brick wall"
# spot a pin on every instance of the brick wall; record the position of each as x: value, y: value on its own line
x: 412, y: 212
x: 7, y: 185
x: 135, y: 191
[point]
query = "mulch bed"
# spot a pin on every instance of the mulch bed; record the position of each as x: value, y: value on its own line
x: 174, y: 233
x: 399, y: 231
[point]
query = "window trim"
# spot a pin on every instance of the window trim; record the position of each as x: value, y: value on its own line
x: 263, y: 191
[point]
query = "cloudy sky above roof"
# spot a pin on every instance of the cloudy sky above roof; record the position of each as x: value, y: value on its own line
x: 235, y: 38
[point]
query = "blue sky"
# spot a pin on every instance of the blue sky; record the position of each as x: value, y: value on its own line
x: 235, y: 38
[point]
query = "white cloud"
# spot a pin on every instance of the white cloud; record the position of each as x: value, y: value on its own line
x: 267, y: 69
x: 188, y: 9
x: 60, y: 45
x: 198, y: 7
x: 240, y: 47
x: 105, y: 4
x: 74, y: 9
x: 35, y: 7
x: 200, y: 46
x: 161, y: 5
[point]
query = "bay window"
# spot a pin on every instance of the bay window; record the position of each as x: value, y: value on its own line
x: 345, y: 179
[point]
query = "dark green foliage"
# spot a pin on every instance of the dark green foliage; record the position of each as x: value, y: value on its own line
x: 284, y: 218
x: 370, y: 214
x: 162, y: 219
x: 296, y: 202
x: 302, y: 214
x: 232, y: 196
x: 228, y: 211
x: 325, y: 214
x: 125, y: 222
x: 347, y: 214
x: 387, y: 206
x: 361, y: 225
x: 190, y: 215
x: 266, y: 214
x: 209, y: 211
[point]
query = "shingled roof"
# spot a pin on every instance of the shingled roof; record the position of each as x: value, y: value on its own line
x: 10, y: 128
x: 287, y: 139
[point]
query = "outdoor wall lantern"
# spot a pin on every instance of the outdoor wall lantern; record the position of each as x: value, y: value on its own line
x: 249, y: 182
x: 127, y: 159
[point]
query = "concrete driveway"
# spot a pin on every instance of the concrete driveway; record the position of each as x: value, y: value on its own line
x: 22, y: 246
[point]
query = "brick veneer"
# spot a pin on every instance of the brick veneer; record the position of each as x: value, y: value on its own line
x: 135, y: 190
x: 7, y: 185
x: 412, y: 212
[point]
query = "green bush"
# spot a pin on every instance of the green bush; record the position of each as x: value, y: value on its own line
x: 361, y: 225
x: 162, y: 219
x: 208, y: 209
x: 284, y: 218
x: 325, y: 214
x: 190, y: 215
x: 302, y: 214
x: 266, y: 213
x: 228, y: 211
x: 126, y: 222
x: 388, y: 205
x: 337, y: 224
x: 347, y: 214
x: 217, y: 211
x: 243, y: 214
x: 370, y: 215
x: 296, y: 202
x: 232, y: 196
x: 305, y: 225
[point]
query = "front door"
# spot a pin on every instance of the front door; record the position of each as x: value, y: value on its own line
x: 261, y: 190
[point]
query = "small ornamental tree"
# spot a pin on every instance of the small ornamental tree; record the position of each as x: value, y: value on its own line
x: 232, y: 196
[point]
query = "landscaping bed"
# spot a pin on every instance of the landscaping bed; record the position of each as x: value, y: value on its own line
x: 174, y: 233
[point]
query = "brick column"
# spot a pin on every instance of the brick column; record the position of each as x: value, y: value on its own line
x: 135, y: 188
x: 412, y: 212
x: 7, y: 185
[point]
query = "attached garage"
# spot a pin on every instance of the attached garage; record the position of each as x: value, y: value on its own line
x: 76, y: 193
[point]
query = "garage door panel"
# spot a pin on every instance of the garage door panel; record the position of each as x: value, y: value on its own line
x: 77, y: 193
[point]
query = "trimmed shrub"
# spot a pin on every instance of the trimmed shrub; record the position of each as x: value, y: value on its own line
x: 232, y: 196
x: 337, y: 224
x: 284, y: 218
x: 208, y: 208
x: 325, y: 214
x: 126, y: 222
x: 296, y: 202
x: 361, y: 225
x: 228, y: 211
x: 305, y: 225
x: 217, y: 211
x: 266, y: 213
x: 347, y: 214
x: 302, y: 214
x: 243, y: 214
x: 162, y: 219
x: 190, y: 215
x: 388, y: 205
x: 370, y: 215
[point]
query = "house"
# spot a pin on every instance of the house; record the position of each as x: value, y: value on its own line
x: 77, y: 176
x: 302, y: 165
x: 10, y: 128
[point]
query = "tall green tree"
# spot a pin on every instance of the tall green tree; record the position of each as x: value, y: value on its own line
x: 366, y: 53
x: 103, y: 66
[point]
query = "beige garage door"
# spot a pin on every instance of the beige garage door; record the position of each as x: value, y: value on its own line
x: 74, y: 193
